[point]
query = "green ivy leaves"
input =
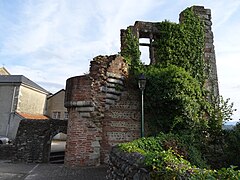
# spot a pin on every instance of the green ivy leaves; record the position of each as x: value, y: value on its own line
x: 172, y: 98
x: 131, y: 52
x: 182, y: 45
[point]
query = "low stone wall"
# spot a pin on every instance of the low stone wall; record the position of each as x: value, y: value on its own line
x: 7, y: 151
x: 33, y: 140
x: 127, y: 166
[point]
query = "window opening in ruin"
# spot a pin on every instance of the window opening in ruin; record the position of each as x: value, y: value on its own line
x: 58, y: 145
x: 144, y: 47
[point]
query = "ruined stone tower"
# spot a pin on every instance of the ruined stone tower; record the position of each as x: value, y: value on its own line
x: 104, y: 107
x: 149, y: 30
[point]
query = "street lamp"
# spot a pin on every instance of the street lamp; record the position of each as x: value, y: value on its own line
x: 141, y: 85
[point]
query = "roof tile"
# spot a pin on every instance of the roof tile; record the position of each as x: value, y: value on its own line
x: 33, y: 116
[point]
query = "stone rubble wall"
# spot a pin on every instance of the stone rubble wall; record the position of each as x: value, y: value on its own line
x: 7, y: 151
x: 126, y: 166
x: 33, y: 140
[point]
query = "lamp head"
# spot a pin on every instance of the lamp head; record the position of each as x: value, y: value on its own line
x: 141, y: 82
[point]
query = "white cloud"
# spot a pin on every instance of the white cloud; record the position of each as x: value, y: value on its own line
x: 223, y: 10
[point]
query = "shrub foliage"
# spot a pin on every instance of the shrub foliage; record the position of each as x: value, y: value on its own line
x: 167, y: 156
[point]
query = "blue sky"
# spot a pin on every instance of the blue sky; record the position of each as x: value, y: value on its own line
x: 49, y: 41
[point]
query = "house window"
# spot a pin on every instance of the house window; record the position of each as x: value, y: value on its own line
x: 65, y: 115
x: 56, y: 115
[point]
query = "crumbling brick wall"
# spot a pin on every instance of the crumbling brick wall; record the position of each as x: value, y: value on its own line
x: 100, y: 113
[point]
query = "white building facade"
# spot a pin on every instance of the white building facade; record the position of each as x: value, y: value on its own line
x: 20, y: 98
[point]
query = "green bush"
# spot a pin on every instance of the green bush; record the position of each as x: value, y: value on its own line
x: 166, y: 160
x: 222, y: 174
x: 173, y: 100
x: 169, y: 143
x: 232, y: 146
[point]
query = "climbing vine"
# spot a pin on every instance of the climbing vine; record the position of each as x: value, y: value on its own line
x: 182, y: 45
x: 131, y: 52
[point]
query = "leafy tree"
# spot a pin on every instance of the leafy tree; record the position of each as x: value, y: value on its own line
x: 173, y: 99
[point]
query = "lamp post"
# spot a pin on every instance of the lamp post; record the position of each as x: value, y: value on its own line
x: 141, y: 85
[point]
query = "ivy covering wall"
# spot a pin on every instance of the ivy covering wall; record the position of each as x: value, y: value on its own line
x: 175, y: 96
x: 131, y: 52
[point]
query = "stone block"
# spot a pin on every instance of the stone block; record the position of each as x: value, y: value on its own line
x: 110, y: 101
x: 208, y: 23
x: 111, y: 90
x: 95, y: 144
x: 208, y: 11
x: 94, y: 156
x: 116, y: 76
x: 112, y: 96
x: 85, y: 109
x: 115, y: 81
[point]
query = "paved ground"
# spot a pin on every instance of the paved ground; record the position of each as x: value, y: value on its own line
x: 21, y: 171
